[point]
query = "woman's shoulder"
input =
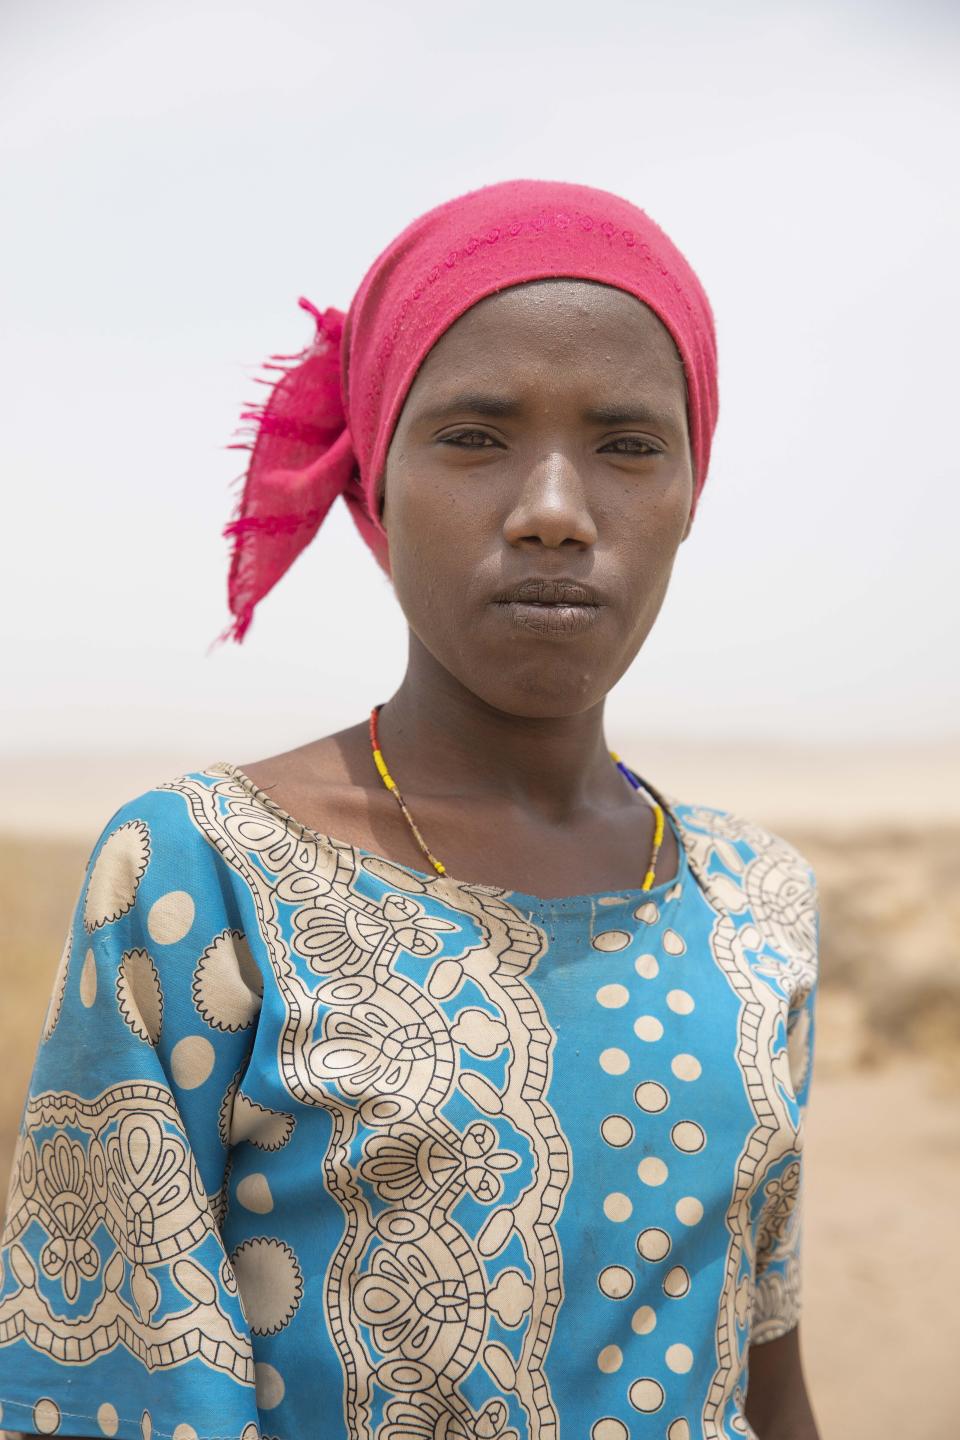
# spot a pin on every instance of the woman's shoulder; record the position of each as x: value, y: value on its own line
x: 736, y: 839
x: 165, y: 828
x: 756, y: 878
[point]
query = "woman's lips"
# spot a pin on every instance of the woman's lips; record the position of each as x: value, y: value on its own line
x: 550, y: 619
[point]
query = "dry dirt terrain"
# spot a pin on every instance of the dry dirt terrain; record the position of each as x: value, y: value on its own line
x: 882, y: 1255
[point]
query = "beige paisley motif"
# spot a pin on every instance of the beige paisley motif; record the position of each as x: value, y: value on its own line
x: 64, y: 1183
x: 783, y: 902
x: 336, y: 939
x: 417, y: 1416
x: 154, y: 1199
x: 485, y: 1164
x: 365, y: 1052
x: 411, y: 1309
x: 510, y: 1297
x: 780, y: 1199
x: 408, y: 1166
x: 278, y: 845
x: 118, y: 1162
x: 412, y: 927
x: 776, y: 1302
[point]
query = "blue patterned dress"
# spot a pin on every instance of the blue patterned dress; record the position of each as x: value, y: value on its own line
x: 318, y: 1145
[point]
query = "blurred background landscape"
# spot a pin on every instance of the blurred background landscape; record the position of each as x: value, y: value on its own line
x: 175, y: 176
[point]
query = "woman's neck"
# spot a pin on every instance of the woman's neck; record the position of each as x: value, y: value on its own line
x: 444, y: 740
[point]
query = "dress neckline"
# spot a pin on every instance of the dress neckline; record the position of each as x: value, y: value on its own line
x: 539, y: 903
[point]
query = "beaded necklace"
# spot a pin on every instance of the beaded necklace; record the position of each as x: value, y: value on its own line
x: 439, y: 866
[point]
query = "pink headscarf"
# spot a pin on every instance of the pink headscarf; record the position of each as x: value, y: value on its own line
x: 326, y: 425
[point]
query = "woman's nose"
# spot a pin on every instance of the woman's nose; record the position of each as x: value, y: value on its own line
x: 551, y: 505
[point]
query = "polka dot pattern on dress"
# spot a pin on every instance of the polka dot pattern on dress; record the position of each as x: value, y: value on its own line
x: 616, y: 1282
x: 253, y: 1192
x: 648, y: 1027
x: 685, y: 1136
x: 88, y: 981
x: 171, y: 917
x: 653, y: 1243
x: 652, y: 1170
x: 651, y: 1096
x: 688, y: 1136
x: 612, y: 997
x: 646, y: 1395
x: 686, y: 1067
x: 610, y: 1359
x: 617, y: 1206
x: 679, y: 1358
x: 270, y: 1386
x: 689, y: 1210
x: 271, y: 1283
x: 676, y: 1282
x: 192, y: 1060
x: 140, y: 995
x: 46, y: 1416
x: 608, y: 1427
x: 617, y: 1131
x: 611, y: 940
x: 116, y: 875
x: 680, y: 1002
x: 108, y: 1419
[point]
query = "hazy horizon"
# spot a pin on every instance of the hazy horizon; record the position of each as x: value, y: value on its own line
x: 786, y: 785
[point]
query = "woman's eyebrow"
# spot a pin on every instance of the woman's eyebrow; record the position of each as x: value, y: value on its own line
x: 503, y: 406
x: 632, y: 414
x: 477, y: 402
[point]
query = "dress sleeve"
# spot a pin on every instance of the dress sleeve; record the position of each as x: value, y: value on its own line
x: 119, y: 1310
x: 778, y: 1290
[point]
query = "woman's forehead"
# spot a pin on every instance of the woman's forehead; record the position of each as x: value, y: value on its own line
x: 570, y: 322
x: 555, y: 295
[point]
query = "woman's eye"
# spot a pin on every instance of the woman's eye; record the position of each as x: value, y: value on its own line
x: 480, y: 440
x: 466, y: 437
x: 634, y: 441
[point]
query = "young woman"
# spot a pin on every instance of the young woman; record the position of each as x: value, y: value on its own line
x: 440, y: 1077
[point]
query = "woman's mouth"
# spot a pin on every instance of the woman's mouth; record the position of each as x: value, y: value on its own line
x: 550, y: 618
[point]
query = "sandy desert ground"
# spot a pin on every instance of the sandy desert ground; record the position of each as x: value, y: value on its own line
x: 882, y: 1255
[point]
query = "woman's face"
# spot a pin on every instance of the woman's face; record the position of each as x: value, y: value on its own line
x: 543, y: 439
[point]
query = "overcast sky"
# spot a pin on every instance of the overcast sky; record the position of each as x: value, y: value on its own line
x: 176, y: 174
